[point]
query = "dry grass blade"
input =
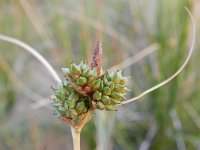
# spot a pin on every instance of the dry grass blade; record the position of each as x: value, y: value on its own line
x: 131, y: 60
x: 176, y: 73
x: 34, y: 53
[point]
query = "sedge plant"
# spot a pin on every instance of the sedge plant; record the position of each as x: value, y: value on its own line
x: 87, y: 87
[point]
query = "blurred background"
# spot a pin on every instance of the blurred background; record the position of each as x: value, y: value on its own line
x: 152, y: 37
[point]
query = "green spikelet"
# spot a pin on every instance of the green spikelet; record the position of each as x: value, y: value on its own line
x: 100, y: 105
x: 107, y: 91
x: 69, y: 104
x: 106, y: 100
x: 75, y: 69
x: 111, y: 91
x: 97, y: 95
x: 87, y: 89
x: 81, y: 81
x: 80, y: 107
x: 81, y: 76
x: 65, y: 70
x: 116, y: 77
x: 86, y: 73
x: 97, y: 85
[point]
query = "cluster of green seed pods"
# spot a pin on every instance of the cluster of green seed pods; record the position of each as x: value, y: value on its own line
x: 87, y: 88
x: 82, y: 78
x: 111, y: 91
x: 70, y: 105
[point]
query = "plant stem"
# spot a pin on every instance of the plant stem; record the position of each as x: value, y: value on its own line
x: 76, y: 130
x: 76, y: 138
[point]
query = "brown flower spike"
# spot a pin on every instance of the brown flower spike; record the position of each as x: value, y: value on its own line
x: 96, y: 60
